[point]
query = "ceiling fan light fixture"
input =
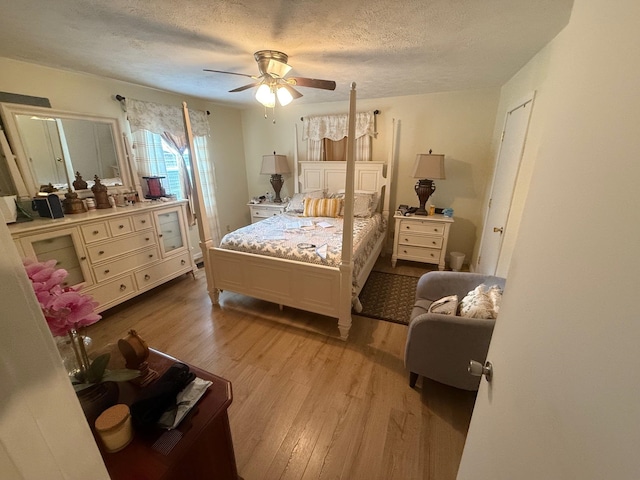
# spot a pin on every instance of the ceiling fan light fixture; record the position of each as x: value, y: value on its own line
x: 266, y: 96
x: 284, y: 97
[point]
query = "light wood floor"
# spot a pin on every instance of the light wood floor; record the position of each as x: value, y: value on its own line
x: 306, y: 405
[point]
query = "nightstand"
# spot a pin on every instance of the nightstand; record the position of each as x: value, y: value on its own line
x: 421, y: 239
x: 260, y: 211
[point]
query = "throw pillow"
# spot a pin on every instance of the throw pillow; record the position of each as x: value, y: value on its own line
x: 296, y: 204
x: 481, y: 302
x: 445, y: 306
x: 322, y: 207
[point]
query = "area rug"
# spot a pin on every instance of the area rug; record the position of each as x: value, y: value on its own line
x: 387, y: 296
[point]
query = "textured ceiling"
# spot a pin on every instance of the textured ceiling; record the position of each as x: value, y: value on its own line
x: 389, y: 48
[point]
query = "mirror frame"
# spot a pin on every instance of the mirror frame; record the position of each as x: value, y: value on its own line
x: 9, y: 111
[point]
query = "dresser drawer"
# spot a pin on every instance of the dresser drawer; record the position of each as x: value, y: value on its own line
x: 420, y: 240
x: 125, y: 264
x: 121, y: 246
x: 120, y: 226
x: 419, y: 254
x: 161, y: 271
x: 109, y: 292
x: 95, y: 232
x: 421, y: 226
x: 142, y: 221
x: 265, y: 212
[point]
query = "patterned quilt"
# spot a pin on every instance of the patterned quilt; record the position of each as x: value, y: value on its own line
x: 307, y: 239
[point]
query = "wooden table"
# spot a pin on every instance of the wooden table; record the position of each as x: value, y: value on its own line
x: 205, y: 450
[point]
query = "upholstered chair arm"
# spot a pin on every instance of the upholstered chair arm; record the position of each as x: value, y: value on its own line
x: 440, y: 347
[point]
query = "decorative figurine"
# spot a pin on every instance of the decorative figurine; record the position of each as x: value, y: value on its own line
x: 79, y: 183
x: 135, y: 352
x: 71, y: 203
x: 100, y: 194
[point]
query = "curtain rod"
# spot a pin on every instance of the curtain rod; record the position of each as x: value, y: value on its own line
x: 120, y: 98
x: 375, y: 112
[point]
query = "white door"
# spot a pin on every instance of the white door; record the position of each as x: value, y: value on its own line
x: 514, y: 135
x: 564, y: 402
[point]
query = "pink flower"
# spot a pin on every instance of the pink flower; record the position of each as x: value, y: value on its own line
x: 63, y: 308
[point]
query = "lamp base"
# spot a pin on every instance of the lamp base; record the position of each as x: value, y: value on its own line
x: 424, y: 189
x: 276, y: 183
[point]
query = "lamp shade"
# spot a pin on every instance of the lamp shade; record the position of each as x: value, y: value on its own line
x: 429, y: 166
x: 274, y: 164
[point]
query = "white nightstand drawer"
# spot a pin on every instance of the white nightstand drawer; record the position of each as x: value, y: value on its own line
x: 420, y: 240
x: 421, y: 226
x: 419, y: 254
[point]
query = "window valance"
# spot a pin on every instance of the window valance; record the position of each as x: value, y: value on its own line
x: 336, y: 127
x: 158, y: 118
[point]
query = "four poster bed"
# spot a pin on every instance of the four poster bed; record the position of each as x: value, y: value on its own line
x: 314, y: 263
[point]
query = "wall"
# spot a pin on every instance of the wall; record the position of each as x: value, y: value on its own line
x: 43, y: 432
x: 532, y: 77
x: 564, y: 400
x: 84, y: 93
x: 457, y: 124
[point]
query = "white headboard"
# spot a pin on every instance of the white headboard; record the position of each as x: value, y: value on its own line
x: 330, y: 176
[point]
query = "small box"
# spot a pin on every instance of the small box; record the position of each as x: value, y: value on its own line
x: 48, y: 207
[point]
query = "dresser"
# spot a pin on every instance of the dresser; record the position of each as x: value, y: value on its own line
x: 421, y: 239
x: 260, y: 211
x: 114, y: 254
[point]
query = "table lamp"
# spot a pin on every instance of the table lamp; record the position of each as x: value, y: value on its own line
x: 275, y: 165
x: 428, y: 166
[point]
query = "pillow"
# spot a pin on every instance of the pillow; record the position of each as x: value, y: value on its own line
x: 445, y: 306
x: 365, y: 203
x: 481, y: 302
x: 296, y: 204
x: 322, y: 207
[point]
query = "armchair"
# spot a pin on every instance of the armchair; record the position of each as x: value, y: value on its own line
x: 440, y: 346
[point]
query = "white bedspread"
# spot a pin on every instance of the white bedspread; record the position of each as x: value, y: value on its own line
x: 307, y: 239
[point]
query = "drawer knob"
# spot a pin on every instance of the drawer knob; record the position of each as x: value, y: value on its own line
x: 404, y: 251
x: 95, y: 232
x: 407, y: 227
x: 151, y: 255
x: 433, y: 243
x: 123, y: 287
x: 147, y: 238
x: 101, y: 252
x: 182, y: 262
x: 147, y: 277
x: 160, y: 235
x: 435, y: 229
x: 406, y: 239
x: 120, y: 226
x: 143, y: 221
x: 106, y: 271
x: 83, y: 258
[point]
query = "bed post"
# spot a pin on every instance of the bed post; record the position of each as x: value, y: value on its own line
x: 204, y: 231
x: 296, y: 163
x: 346, y: 265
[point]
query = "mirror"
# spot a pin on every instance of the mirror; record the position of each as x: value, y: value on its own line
x: 51, y: 146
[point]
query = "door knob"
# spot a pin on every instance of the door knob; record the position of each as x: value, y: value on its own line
x: 498, y: 230
x: 477, y: 369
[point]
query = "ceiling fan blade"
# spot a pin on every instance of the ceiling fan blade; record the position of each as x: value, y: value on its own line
x: 244, y: 87
x: 294, y: 93
x: 312, y: 82
x: 230, y: 73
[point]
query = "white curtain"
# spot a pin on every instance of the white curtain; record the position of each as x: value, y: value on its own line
x: 335, y: 128
x: 150, y: 123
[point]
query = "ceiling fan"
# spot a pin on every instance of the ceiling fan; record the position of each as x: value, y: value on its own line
x: 272, y: 83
